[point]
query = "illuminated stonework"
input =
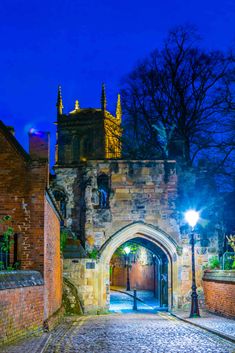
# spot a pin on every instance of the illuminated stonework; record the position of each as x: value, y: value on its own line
x: 87, y: 133
x: 112, y: 136
x: 108, y: 201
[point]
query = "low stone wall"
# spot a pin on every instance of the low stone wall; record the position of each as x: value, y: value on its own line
x: 84, y: 275
x: 219, y: 291
x: 21, y: 304
x: 71, y: 300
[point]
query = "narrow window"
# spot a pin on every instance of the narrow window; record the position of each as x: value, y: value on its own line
x: 103, y: 188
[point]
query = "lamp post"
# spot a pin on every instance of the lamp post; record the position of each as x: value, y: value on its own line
x: 127, y: 252
x: 192, y: 217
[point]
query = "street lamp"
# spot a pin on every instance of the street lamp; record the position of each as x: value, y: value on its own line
x: 192, y: 218
x: 127, y: 252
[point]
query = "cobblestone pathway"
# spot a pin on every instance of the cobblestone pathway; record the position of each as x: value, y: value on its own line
x: 135, y: 333
x: 211, y: 321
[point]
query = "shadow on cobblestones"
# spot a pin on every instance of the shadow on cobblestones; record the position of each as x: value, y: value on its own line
x: 32, y: 344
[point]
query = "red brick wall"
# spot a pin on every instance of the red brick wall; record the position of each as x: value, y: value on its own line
x: 21, y: 311
x: 22, y: 185
x: 52, y: 262
x: 141, y: 277
x: 14, y: 193
x: 38, y: 182
x: 220, y: 297
x: 22, y: 195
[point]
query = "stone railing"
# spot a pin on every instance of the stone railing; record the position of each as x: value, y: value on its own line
x: 219, y: 291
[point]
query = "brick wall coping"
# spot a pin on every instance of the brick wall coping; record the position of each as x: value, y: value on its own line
x: 18, y: 279
x: 219, y: 276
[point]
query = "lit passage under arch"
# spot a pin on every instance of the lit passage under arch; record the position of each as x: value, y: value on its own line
x: 150, y: 278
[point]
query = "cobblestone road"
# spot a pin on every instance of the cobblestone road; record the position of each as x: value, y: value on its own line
x: 135, y: 333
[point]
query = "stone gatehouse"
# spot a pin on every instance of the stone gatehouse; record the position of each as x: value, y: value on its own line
x: 107, y: 201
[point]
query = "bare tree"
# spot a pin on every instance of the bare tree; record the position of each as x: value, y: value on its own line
x: 179, y: 99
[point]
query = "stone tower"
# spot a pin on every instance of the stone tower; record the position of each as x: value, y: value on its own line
x: 87, y: 133
x: 107, y: 201
x: 83, y: 135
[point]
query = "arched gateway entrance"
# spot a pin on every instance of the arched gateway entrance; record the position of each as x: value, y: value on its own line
x: 153, y: 237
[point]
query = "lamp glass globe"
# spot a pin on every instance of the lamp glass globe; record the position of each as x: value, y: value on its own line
x: 127, y: 250
x: 192, y: 217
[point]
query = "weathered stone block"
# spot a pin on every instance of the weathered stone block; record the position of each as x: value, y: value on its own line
x: 117, y: 178
x: 123, y: 196
x: 145, y: 171
x: 123, y: 190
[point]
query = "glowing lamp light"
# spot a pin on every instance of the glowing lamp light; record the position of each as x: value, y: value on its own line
x: 127, y: 250
x: 192, y: 217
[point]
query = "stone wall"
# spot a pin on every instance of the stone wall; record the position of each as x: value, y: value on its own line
x: 138, y: 192
x: 21, y: 304
x: 142, y: 196
x: 84, y: 274
x: 219, y: 291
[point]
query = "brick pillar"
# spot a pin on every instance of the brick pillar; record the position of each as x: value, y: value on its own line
x: 39, y: 143
x: 39, y: 180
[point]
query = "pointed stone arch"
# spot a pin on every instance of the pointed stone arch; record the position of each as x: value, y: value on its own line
x: 147, y: 231
x: 152, y: 234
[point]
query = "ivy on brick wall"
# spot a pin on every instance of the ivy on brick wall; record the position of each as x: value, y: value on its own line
x: 6, y: 242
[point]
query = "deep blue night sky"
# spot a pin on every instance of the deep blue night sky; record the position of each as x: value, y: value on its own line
x: 80, y: 43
